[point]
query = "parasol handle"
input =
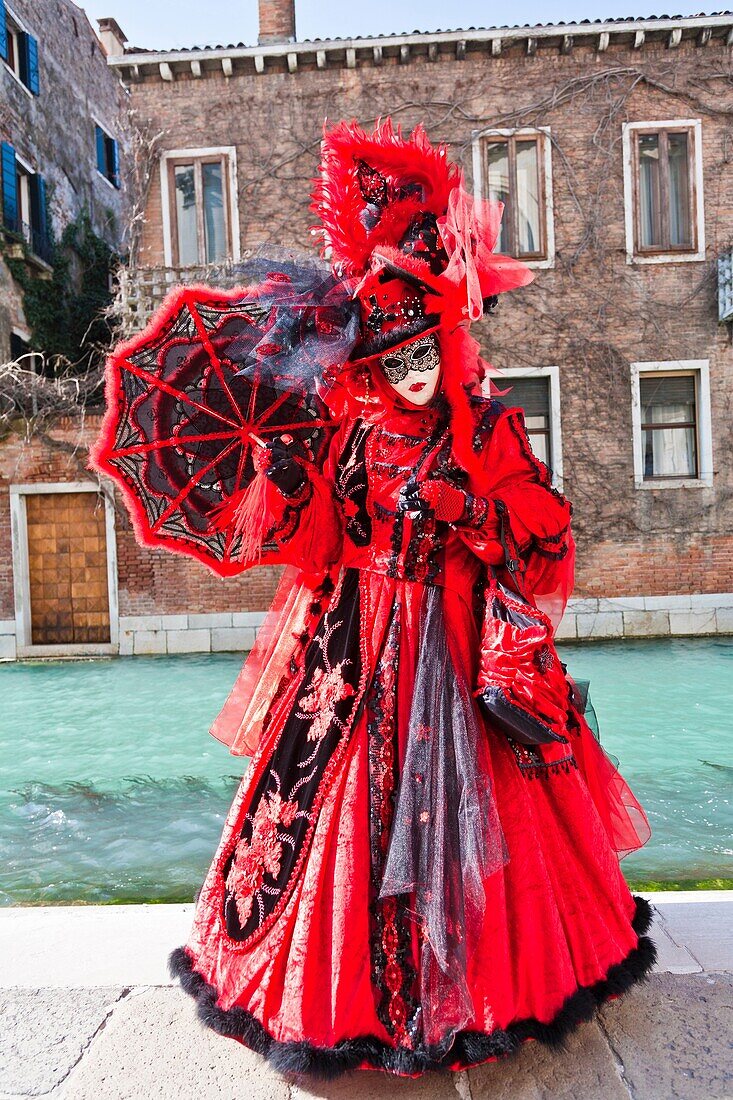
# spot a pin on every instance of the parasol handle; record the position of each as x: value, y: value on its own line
x: 256, y: 439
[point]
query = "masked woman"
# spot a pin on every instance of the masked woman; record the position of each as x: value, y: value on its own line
x: 420, y: 868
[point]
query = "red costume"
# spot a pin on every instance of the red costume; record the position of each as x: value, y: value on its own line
x: 400, y: 884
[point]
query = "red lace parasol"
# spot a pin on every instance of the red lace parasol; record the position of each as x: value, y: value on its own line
x: 187, y: 400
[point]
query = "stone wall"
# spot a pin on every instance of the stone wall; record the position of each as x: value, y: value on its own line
x: 53, y: 132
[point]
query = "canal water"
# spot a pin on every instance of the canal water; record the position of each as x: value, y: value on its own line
x: 111, y: 788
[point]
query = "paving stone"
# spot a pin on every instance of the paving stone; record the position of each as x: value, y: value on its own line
x: 704, y: 928
x: 672, y: 958
x: 43, y: 1033
x: 126, y: 945
x: 375, y: 1085
x: 585, y: 1070
x: 672, y: 1037
x: 154, y: 1046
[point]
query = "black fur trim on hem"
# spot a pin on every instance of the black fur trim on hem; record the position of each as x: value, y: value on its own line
x: 469, y: 1048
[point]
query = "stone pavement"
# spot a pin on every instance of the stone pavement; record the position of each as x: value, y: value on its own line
x: 87, y: 1011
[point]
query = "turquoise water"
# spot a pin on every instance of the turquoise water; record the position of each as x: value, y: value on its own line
x: 112, y: 789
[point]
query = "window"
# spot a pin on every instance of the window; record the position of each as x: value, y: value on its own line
x: 24, y: 202
x: 19, y: 50
x: 535, y: 390
x: 198, y: 195
x: 669, y: 425
x: 515, y: 169
x: 108, y: 157
x: 663, y: 174
x: 21, y: 350
x: 672, y: 423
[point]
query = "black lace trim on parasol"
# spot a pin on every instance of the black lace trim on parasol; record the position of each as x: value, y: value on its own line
x: 469, y: 1049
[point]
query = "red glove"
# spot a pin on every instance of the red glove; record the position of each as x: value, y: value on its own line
x: 447, y: 502
x: 453, y: 505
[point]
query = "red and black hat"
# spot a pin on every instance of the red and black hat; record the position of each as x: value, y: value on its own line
x: 396, y: 219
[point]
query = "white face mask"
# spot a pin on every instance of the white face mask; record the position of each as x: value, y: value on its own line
x: 413, y: 371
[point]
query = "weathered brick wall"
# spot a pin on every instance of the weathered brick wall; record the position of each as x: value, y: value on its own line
x: 592, y: 314
x: 151, y: 582
x: 54, y: 131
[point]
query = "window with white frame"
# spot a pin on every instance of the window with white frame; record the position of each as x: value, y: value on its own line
x: 672, y: 429
x: 199, y: 200
x: 24, y: 207
x: 663, y: 184
x: 535, y: 390
x: 108, y: 155
x: 515, y: 168
x: 19, y: 50
x: 22, y: 352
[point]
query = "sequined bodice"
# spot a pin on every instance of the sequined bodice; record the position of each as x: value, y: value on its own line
x: 376, y: 462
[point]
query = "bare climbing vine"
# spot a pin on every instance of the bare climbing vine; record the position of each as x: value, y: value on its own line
x: 589, y: 313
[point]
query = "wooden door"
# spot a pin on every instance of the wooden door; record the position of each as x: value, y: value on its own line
x: 67, y: 558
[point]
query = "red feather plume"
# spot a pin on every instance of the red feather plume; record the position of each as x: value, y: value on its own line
x: 337, y: 196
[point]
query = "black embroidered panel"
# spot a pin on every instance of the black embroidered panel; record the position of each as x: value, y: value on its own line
x: 262, y: 866
x: 352, y: 485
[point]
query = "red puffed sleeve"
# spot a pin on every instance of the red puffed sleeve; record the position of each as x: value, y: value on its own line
x: 514, y: 486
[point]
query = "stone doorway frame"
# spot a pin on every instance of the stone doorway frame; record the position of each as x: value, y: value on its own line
x: 21, y: 571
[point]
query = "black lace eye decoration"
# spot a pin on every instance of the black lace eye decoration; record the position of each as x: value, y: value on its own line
x: 395, y: 368
x: 420, y: 356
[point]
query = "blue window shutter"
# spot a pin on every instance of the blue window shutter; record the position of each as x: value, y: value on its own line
x: 22, y: 44
x: 32, y: 81
x: 101, y: 153
x: 10, y: 186
x: 38, y: 204
x: 39, y: 226
x: 28, y: 58
x: 3, y: 33
x: 42, y: 206
x: 115, y: 162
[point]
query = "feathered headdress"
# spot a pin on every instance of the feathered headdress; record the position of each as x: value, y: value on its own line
x: 396, y: 220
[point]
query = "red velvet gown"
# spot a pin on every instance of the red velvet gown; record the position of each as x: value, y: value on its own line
x: 398, y: 885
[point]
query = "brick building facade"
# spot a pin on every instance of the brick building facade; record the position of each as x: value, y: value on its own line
x: 613, y: 142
